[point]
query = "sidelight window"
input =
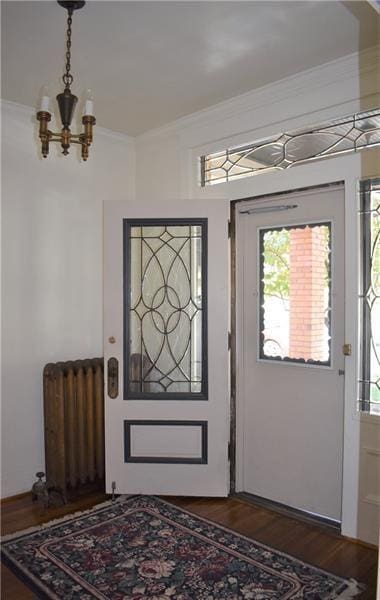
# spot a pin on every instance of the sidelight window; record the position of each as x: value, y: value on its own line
x: 369, y: 297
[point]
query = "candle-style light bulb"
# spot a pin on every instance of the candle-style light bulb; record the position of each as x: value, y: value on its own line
x: 45, y: 99
x: 89, y: 104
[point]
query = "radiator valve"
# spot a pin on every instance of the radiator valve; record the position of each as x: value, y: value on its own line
x: 40, y: 491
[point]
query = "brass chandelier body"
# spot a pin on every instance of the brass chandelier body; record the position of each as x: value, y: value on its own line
x: 67, y: 102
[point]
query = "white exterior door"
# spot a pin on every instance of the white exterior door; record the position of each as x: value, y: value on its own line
x: 166, y: 347
x: 290, y: 264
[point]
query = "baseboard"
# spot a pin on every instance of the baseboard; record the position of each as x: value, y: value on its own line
x: 7, y: 499
x: 288, y: 511
x: 361, y: 543
x: 72, y: 494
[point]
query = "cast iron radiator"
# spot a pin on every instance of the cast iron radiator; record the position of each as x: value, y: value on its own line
x: 74, y: 424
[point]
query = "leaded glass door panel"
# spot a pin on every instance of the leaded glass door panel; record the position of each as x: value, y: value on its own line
x: 166, y: 345
x: 165, y: 295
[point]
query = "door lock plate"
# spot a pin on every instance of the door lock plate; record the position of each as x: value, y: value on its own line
x: 113, y: 377
x: 347, y: 349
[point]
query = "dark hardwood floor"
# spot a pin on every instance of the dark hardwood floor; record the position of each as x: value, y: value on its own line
x: 311, y: 543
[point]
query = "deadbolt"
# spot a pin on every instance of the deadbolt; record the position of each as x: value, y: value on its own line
x: 111, y: 339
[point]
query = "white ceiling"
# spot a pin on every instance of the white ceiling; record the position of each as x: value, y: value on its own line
x: 149, y: 63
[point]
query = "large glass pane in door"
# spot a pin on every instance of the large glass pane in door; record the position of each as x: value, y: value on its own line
x: 165, y: 301
x: 295, y: 293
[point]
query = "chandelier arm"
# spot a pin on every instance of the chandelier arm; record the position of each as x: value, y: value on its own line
x: 56, y: 136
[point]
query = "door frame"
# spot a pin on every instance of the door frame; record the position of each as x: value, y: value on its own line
x: 348, y: 170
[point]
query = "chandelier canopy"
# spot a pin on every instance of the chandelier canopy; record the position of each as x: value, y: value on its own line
x: 66, y: 103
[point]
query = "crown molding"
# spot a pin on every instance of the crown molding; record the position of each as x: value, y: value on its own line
x: 336, y: 71
x: 21, y: 109
x: 375, y: 4
x: 28, y: 111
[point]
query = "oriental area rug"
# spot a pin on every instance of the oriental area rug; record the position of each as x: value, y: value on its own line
x: 143, y: 547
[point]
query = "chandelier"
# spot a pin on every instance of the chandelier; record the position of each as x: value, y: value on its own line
x: 66, y: 103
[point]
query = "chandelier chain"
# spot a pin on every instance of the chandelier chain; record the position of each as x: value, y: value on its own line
x: 67, y: 77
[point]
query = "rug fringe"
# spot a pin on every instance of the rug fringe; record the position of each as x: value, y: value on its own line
x: 68, y: 517
x: 354, y: 588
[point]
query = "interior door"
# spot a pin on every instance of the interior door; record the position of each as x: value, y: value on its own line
x: 166, y: 347
x: 290, y: 393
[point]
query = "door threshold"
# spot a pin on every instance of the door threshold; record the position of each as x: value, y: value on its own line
x: 288, y: 511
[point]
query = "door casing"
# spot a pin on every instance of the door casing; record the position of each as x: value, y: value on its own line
x: 347, y: 168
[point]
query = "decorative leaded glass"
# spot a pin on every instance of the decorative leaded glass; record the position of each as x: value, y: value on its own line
x: 165, y: 309
x: 369, y: 297
x: 349, y: 134
x: 295, y: 293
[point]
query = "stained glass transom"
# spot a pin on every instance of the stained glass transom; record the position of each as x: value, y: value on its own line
x: 349, y: 134
x: 369, y: 297
x: 165, y: 354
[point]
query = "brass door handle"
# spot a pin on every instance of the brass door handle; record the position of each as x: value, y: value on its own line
x: 113, y: 377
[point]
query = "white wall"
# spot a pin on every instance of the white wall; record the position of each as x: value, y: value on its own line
x: 167, y: 166
x: 52, y: 234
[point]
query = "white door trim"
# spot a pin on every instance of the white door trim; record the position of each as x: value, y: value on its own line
x: 348, y: 170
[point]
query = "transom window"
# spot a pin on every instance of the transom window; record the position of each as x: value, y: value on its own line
x: 349, y: 134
